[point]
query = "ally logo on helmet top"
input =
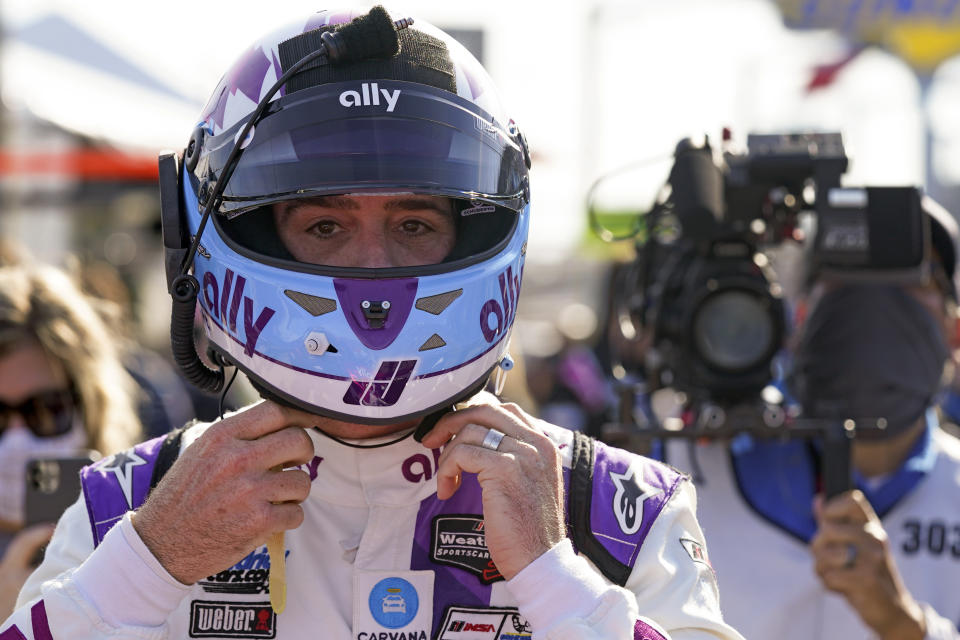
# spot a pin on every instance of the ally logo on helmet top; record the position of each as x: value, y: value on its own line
x: 368, y: 95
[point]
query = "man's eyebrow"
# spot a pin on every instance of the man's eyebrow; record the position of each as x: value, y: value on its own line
x: 330, y: 202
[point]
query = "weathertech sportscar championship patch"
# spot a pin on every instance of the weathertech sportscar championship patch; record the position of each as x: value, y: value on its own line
x: 461, y: 541
x: 475, y: 623
x: 232, y: 620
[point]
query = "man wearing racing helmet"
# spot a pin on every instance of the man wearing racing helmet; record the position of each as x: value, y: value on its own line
x: 351, y: 216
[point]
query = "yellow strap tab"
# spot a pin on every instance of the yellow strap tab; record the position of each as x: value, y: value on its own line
x: 278, y: 573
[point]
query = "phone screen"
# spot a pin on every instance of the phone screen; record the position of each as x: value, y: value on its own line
x: 53, y: 484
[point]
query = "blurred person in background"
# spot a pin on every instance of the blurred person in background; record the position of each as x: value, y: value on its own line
x: 879, y: 561
x: 363, y: 269
x: 164, y: 401
x: 570, y: 385
x: 63, y: 392
x: 162, y: 398
x: 584, y: 364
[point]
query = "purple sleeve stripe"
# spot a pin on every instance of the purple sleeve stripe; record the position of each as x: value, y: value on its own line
x: 13, y: 633
x: 643, y: 631
x: 41, y: 628
x: 86, y: 500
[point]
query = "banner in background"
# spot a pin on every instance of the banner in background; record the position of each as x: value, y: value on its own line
x: 922, y: 32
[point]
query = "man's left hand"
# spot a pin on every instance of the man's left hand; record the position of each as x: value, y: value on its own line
x: 852, y: 556
x: 521, y: 479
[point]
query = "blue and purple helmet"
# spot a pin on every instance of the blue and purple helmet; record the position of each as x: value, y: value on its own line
x: 372, y: 346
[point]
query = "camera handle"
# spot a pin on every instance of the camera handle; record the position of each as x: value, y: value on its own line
x: 835, y: 436
x: 837, y: 441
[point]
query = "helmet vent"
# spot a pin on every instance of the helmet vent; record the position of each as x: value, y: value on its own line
x: 434, y: 342
x: 437, y: 304
x: 313, y: 305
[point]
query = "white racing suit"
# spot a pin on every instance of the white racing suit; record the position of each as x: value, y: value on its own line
x: 379, y: 557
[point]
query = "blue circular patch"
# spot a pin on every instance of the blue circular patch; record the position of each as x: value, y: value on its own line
x: 393, y: 602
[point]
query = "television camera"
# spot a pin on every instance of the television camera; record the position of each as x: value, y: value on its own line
x: 703, y: 289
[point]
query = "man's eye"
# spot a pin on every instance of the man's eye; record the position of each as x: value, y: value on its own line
x: 414, y: 226
x: 324, y: 227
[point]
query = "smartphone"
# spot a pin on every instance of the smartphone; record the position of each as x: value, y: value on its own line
x: 53, y: 484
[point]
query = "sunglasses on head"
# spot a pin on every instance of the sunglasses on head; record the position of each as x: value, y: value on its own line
x: 46, y: 415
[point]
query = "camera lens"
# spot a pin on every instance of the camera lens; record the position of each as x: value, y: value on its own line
x: 733, y: 330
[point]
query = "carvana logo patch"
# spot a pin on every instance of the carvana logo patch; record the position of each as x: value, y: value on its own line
x: 393, y: 602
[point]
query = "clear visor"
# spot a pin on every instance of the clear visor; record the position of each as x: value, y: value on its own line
x: 381, y: 136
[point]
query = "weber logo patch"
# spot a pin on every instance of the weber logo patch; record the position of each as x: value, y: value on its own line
x: 460, y: 541
x: 232, y: 620
x: 469, y: 623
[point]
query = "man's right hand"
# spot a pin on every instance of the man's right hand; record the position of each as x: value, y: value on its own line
x: 221, y: 500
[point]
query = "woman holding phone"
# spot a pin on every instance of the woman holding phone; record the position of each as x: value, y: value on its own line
x: 63, y: 393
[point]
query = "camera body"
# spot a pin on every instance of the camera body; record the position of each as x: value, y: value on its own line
x: 703, y: 284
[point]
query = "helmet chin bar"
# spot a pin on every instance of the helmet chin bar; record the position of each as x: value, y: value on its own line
x: 428, y: 416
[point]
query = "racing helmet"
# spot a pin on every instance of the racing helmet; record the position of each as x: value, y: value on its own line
x: 348, y: 102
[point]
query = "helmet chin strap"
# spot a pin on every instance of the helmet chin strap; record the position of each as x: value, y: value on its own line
x: 427, y: 423
x: 364, y: 446
x: 430, y: 420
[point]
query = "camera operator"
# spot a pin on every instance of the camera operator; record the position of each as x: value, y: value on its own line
x: 870, y: 350
x: 887, y: 550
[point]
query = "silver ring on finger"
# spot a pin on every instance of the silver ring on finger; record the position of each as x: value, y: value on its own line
x: 851, y: 558
x: 492, y: 440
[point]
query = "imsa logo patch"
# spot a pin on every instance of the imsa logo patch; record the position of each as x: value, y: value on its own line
x: 232, y: 620
x: 460, y: 541
x: 484, y: 623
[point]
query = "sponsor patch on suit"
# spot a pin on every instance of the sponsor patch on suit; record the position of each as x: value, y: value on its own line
x: 209, y: 619
x: 461, y: 541
x: 484, y: 623
x: 392, y: 605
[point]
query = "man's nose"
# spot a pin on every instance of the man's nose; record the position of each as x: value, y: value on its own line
x: 373, y: 250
